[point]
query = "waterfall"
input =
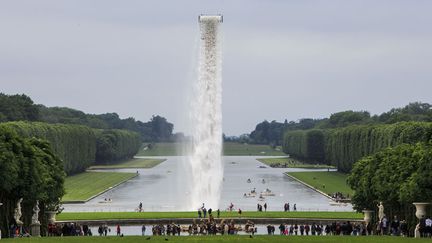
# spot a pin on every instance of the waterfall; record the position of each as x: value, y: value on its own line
x: 205, y: 158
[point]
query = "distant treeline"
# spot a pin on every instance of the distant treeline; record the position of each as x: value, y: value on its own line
x: 273, y: 132
x: 22, y: 108
x: 342, y: 147
x: 79, y: 146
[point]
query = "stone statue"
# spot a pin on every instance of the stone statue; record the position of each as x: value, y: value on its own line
x: 380, y: 211
x: 17, y: 213
x: 35, y: 217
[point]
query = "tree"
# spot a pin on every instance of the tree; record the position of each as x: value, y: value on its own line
x: 17, y: 108
x: 397, y: 176
x: 29, y: 169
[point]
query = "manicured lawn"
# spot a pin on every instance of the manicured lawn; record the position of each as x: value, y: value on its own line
x: 328, y: 182
x: 132, y: 163
x: 221, y: 238
x: 83, y: 186
x: 229, y: 149
x: 287, y: 162
x: 161, y: 149
x: 247, y: 214
x: 233, y: 149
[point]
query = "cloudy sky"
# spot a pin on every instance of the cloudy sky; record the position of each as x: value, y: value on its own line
x: 282, y: 59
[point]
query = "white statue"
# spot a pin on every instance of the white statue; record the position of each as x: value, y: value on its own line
x: 380, y: 211
x: 35, y: 217
x: 17, y: 213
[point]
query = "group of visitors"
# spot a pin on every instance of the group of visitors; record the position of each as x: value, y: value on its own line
x: 69, y: 229
x: 312, y: 229
x: 287, y: 207
x: 171, y: 229
x: 203, y: 227
x: 260, y: 207
x: 203, y: 212
x: 209, y: 226
x: 337, y: 196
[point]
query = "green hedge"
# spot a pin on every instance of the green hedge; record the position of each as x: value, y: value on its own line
x: 74, y: 144
x: 305, y: 144
x: 342, y: 147
x: 345, y: 146
x: 29, y: 169
x: 113, y: 145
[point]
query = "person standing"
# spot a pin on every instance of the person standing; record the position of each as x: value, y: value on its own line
x: 118, y: 230
x: 265, y: 207
x: 395, y: 226
x: 143, y: 229
x: 428, y: 228
x: 204, y: 212
x: 294, y: 207
x: 282, y: 229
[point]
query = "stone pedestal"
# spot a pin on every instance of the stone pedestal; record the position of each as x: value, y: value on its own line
x: 367, y: 218
x: 51, y: 216
x: 35, y: 229
x: 420, y: 214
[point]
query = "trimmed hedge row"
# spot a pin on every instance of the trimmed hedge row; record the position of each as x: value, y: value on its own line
x: 74, y: 144
x: 342, y: 147
x: 80, y: 146
x: 113, y: 145
x: 305, y: 144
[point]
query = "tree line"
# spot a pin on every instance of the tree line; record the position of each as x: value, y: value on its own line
x: 342, y: 147
x: 80, y: 146
x: 22, y: 108
x: 273, y: 132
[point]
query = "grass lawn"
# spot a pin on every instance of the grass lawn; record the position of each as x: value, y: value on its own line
x: 328, y: 182
x: 221, y: 238
x: 233, y: 149
x: 161, y: 149
x: 229, y: 149
x: 246, y: 214
x: 287, y: 162
x: 132, y: 163
x: 83, y: 186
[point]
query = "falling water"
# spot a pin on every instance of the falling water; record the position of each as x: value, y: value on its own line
x: 206, y: 119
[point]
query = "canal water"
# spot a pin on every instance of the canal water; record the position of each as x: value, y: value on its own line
x: 163, y: 188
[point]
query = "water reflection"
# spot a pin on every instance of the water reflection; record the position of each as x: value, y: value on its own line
x: 163, y: 188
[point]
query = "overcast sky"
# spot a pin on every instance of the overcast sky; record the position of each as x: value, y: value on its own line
x: 282, y: 59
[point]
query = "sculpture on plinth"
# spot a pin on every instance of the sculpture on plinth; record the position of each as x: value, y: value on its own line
x: 35, y: 217
x: 18, y: 213
x: 380, y: 211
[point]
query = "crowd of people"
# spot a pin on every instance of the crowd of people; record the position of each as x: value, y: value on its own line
x: 70, y: 229
x: 210, y: 226
x: 204, y: 227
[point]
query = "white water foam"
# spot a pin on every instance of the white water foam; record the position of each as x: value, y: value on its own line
x: 205, y: 157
